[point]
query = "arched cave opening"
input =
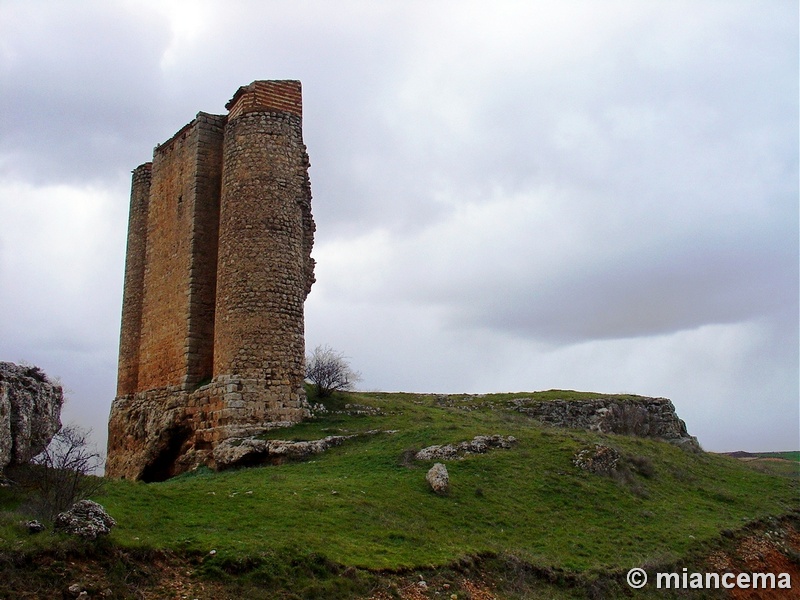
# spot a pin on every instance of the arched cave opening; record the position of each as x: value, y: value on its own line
x: 163, y: 466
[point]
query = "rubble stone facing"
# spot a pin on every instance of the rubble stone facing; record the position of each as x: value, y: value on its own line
x: 217, y: 271
x: 602, y: 460
x: 30, y: 412
x: 643, y: 417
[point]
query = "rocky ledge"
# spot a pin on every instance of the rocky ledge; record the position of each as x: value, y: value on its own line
x: 235, y: 452
x: 250, y: 451
x: 639, y: 416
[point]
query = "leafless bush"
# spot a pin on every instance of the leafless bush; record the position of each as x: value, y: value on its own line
x: 642, y: 465
x: 329, y: 371
x: 630, y: 419
x: 63, y: 473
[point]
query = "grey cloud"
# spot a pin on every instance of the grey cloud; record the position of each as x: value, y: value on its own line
x: 528, y: 195
x: 643, y: 295
x: 81, y: 88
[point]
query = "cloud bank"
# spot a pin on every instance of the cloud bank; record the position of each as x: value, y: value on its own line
x: 532, y: 196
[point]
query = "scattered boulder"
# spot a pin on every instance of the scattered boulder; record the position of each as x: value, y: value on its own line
x: 76, y: 590
x: 599, y: 459
x: 34, y: 527
x: 438, y: 479
x: 480, y: 444
x: 30, y: 412
x: 85, y: 519
x: 362, y: 410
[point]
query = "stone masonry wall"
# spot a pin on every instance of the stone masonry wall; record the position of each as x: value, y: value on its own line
x: 218, y: 268
x: 206, y: 181
x: 262, y: 275
x: 133, y: 291
x: 179, y: 279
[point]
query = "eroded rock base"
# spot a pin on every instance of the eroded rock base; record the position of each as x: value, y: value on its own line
x: 157, y: 434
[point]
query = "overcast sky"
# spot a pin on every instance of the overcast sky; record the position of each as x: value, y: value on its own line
x: 509, y: 196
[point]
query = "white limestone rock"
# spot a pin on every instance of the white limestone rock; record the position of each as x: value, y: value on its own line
x: 85, y: 519
x: 438, y: 479
x: 30, y: 412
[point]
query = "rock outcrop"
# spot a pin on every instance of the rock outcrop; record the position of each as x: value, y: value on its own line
x: 253, y: 451
x: 480, y: 444
x: 34, y: 527
x: 30, y: 412
x: 639, y: 416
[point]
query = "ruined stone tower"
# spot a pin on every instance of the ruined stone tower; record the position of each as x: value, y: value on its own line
x: 217, y: 270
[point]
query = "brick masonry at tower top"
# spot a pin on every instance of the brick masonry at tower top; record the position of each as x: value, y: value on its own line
x: 217, y: 270
x: 277, y: 95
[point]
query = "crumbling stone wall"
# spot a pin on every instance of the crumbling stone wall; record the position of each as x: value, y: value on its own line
x: 217, y: 271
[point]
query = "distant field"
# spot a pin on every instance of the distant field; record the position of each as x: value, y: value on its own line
x: 792, y: 455
x: 786, y: 464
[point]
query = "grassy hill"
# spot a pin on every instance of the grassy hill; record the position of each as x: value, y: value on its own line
x: 515, y: 521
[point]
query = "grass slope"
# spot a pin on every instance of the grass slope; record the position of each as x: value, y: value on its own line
x: 366, y: 503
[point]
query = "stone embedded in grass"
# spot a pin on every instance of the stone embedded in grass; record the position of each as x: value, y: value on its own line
x: 34, y: 527
x: 480, y: 444
x: 86, y: 519
x: 252, y: 451
x: 438, y: 479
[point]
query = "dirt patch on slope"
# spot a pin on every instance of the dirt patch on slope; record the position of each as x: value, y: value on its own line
x: 770, y: 547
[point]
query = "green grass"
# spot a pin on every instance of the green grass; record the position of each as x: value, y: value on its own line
x: 366, y: 504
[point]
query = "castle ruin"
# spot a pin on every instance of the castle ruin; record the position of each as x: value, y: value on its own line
x: 217, y: 270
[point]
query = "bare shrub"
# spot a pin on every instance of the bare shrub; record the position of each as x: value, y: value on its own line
x: 63, y: 473
x: 642, y: 465
x: 329, y: 371
x: 630, y: 419
x: 407, y: 458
